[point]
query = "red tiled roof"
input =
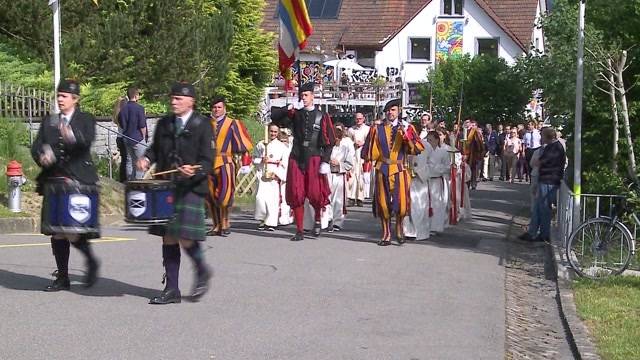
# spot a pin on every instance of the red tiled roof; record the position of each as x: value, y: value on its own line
x: 518, y: 17
x: 371, y: 23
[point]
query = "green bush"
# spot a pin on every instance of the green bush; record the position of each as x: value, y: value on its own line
x: 21, y: 70
x: 14, y: 134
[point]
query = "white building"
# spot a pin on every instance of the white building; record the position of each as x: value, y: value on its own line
x: 399, y: 38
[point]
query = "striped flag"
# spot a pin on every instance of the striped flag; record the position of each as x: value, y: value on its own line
x: 295, y: 28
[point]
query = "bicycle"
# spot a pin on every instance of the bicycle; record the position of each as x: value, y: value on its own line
x: 601, y: 246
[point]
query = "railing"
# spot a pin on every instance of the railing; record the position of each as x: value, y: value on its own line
x: 351, y: 91
x: 591, y: 206
x: 21, y: 102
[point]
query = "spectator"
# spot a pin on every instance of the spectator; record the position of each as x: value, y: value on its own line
x: 134, y: 125
x: 551, y: 171
x: 511, y: 149
x: 491, y: 140
x: 499, y: 149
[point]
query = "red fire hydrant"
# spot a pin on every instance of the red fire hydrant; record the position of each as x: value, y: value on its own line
x: 15, y: 179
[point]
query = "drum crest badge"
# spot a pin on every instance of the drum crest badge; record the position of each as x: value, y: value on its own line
x: 80, y: 207
x: 137, y: 203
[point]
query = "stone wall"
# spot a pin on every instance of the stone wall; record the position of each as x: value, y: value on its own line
x: 105, y: 142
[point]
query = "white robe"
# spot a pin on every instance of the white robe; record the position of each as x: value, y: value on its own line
x: 439, y: 165
x: 269, y: 196
x: 360, y: 182
x: 418, y: 224
x: 286, y: 216
x: 345, y: 155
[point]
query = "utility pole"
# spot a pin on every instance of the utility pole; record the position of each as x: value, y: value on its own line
x: 577, y: 132
x: 55, y: 7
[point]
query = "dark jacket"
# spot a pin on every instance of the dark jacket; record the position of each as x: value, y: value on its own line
x: 72, y: 160
x: 500, y: 143
x: 301, y: 123
x: 552, y: 162
x: 132, y: 119
x: 491, y: 140
x: 194, y: 145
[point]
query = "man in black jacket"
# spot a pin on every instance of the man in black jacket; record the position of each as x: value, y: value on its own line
x: 62, y: 149
x: 551, y: 164
x: 183, y: 140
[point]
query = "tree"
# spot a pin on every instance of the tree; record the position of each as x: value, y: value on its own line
x: 490, y: 90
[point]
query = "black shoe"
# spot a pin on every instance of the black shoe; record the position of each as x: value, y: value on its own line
x: 540, y: 239
x: 351, y: 202
x: 167, y: 296
x: 226, y: 231
x: 213, y: 232
x: 297, y: 237
x: 262, y: 227
x: 202, y: 284
x: 270, y: 228
x: 316, y: 229
x: 330, y: 227
x: 336, y: 228
x: 384, y: 242
x: 60, y: 283
x: 359, y: 203
x: 525, y: 237
x: 92, y: 273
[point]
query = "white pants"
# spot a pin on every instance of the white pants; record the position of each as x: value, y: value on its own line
x: 337, y: 197
x: 418, y: 224
x: 268, y: 202
x: 309, y: 216
x: 286, y: 217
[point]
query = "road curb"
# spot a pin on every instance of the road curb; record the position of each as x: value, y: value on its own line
x: 577, y: 333
x: 18, y: 225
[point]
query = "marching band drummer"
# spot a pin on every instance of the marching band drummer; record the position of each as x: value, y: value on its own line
x: 62, y: 149
x: 183, y: 140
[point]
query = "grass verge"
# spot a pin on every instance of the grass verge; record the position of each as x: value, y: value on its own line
x: 611, y: 310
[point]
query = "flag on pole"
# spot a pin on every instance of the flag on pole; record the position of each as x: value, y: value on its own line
x: 295, y: 28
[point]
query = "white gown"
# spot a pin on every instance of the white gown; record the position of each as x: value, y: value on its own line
x: 439, y: 164
x: 269, y: 197
x: 286, y: 216
x: 345, y: 154
x: 359, y: 183
x: 418, y: 224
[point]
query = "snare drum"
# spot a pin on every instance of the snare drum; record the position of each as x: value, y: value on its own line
x: 149, y: 201
x: 70, y: 207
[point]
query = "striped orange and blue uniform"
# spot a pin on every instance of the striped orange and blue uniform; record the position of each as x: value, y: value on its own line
x: 232, y: 138
x: 388, y: 149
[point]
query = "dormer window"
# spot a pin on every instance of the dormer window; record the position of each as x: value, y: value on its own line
x: 452, y: 7
x: 323, y: 9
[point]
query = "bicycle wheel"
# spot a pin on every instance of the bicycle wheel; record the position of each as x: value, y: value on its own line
x: 598, y: 248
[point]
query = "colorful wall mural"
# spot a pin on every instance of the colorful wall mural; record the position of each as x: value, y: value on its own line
x: 448, y: 39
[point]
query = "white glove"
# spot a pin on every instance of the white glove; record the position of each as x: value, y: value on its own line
x: 245, y: 170
x: 325, y: 168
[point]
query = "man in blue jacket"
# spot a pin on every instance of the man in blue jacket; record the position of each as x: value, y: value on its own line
x: 134, y: 125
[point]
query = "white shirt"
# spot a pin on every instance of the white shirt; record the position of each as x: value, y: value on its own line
x: 184, y: 118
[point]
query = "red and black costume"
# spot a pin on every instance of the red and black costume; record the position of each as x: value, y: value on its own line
x: 313, y: 141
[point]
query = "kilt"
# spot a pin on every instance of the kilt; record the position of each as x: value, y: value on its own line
x: 188, y: 221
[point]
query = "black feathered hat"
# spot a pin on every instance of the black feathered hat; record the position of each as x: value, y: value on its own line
x: 392, y: 103
x: 183, y: 89
x: 310, y: 86
x: 69, y: 86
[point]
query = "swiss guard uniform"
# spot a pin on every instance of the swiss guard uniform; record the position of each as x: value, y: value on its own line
x: 62, y: 149
x: 232, y: 138
x: 388, y: 144
x: 313, y: 140
x: 177, y: 141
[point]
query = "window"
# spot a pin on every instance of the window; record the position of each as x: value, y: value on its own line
x: 323, y: 9
x: 420, y: 49
x: 413, y: 90
x: 452, y: 7
x: 488, y: 47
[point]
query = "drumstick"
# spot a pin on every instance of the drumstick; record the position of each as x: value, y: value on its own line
x: 173, y: 171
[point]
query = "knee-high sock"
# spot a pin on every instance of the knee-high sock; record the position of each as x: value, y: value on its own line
x: 171, y: 262
x: 197, y: 255
x: 399, y: 229
x: 60, y: 249
x: 298, y: 215
x: 84, y: 246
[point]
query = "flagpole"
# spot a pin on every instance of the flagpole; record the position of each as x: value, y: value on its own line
x: 299, y: 74
x: 55, y: 6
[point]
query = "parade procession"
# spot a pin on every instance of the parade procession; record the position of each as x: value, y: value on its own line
x: 317, y: 179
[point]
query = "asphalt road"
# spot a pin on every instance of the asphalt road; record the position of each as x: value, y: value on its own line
x: 336, y: 297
